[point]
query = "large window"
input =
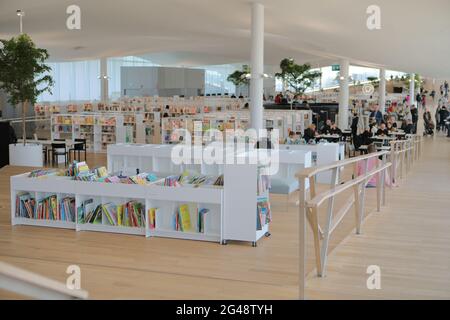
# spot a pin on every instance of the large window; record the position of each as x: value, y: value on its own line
x: 216, y: 78
x: 74, y: 81
x: 114, y: 65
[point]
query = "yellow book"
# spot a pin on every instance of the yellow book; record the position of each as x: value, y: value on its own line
x: 185, y: 217
x: 119, y: 215
x: 152, y: 218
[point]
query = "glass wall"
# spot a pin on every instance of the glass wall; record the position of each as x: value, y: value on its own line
x: 216, y: 78
x: 77, y: 80
x: 114, y: 65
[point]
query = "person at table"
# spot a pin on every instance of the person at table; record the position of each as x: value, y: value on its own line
x: 382, y: 131
x: 292, y: 138
x: 326, y: 127
x: 310, y: 133
x: 389, y: 127
x: 335, y: 130
x: 393, y: 123
x: 409, y: 127
x: 373, y: 127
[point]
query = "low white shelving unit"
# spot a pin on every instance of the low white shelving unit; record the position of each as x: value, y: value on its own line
x: 232, y: 208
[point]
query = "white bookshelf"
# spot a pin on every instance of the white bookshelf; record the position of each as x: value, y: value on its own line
x: 167, y: 199
x: 99, y: 130
x: 217, y: 199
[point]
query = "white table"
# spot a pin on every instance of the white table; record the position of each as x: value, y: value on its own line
x: 47, y: 143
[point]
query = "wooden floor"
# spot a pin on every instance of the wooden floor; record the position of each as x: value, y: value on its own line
x: 409, y: 240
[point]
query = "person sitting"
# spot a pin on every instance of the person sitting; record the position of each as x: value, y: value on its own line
x: 389, y: 127
x: 278, y: 98
x: 403, y: 126
x: 292, y: 138
x: 382, y: 131
x: 409, y: 127
x: 334, y: 129
x: 310, y: 133
x: 326, y: 127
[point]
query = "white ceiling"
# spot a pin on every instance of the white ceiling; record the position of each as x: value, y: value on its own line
x: 414, y: 35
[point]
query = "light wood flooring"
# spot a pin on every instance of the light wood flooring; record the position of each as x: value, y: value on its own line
x: 409, y: 239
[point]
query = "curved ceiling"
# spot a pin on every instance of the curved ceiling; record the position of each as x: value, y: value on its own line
x: 413, y: 35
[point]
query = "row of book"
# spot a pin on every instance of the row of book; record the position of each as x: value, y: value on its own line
x: 192, y: 178
x: 130, y: 214
x: 263, y: 213
x: 263, y: 183
x: 25, y: 204
x: 47, y: 208
x: 45, y: 173
x: 182, y: 219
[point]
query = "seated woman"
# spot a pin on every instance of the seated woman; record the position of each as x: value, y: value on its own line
x: 310, y: 133
x: 292, y: 138
x: 382, y: 131
x: 334, y: 129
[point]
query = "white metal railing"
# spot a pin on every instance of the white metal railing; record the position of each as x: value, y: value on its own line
x: 32, y: 285
x: 310, y: 203
x: 403, y: 154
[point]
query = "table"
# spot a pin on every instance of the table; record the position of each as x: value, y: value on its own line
x: 329, y: 137
x: 47, y: 143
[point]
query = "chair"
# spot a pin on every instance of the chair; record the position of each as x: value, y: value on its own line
x: 78, y: 147
x: 57, y: 151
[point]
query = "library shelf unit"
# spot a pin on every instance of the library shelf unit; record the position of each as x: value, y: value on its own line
x: 231, y: 209
x: 99, y: 130
x: 165, y: 199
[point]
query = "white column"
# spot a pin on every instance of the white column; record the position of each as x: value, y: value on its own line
x: 412, y: 90
x: 104, y: 79
x: 343, y: 95
x: 382, y: 91
x: 257, y: 67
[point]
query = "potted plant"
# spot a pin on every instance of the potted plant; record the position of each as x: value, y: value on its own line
x: 24, y: 76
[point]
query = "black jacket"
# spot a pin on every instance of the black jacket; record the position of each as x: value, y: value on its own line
x: 309, y: 134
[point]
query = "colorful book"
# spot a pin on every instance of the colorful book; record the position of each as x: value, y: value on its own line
x: 184, y: 219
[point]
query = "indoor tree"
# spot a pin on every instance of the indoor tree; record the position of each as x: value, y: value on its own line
x: 374, y: 81
x: 298, y: 77
x: 240, y: 77
x: 23, y: 73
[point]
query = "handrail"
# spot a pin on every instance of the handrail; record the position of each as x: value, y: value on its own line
x: 312, y: 171
x: 403, y: 153
x: 35, y: 286
x: 308, y: 205
x: 318, y: 200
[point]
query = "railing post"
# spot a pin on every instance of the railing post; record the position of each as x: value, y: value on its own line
x: 326, y: 231
x: 356, y: 193
x: 302, y: 238
x: 363, y: 195
x: 394, y: 163
x: 383, y: 181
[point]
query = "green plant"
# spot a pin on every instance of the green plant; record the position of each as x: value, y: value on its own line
x: 240, y: 77
x: 23, y: 73
x: 418, y: 81
x: 298, y: 77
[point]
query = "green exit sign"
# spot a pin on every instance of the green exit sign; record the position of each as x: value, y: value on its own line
x: 335, y: 67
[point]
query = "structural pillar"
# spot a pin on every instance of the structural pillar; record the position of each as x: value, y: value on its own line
x: 343, y: 94
x: 382, y: 91
x: 104, y: 79
x: 257, y: 67
x: 412, y: 89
